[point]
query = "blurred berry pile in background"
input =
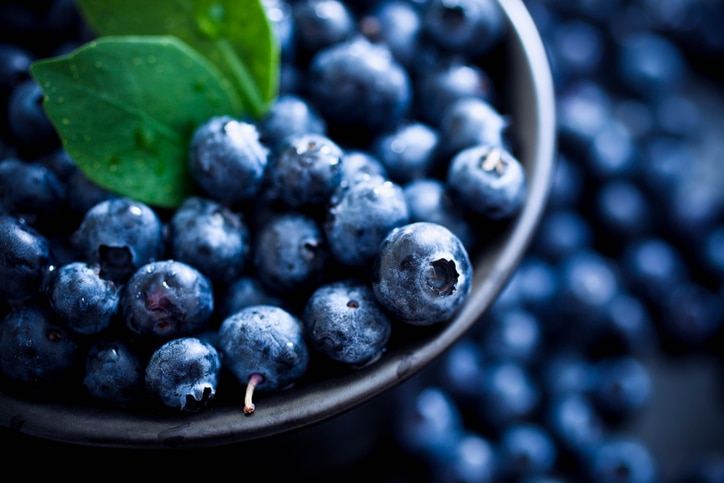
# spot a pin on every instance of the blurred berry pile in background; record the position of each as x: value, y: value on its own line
x: 602, y: 359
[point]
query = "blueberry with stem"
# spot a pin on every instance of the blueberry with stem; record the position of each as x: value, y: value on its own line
x: 263, y: 346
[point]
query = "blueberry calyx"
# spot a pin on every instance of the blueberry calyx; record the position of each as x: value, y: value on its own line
x: 444, y: 277
x: 493, y: 161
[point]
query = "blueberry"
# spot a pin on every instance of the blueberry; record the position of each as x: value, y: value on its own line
x: 25, y: 258
x: 461, y: 369
x: 183, y: 374
x: 510, y: 394
x: 474, y: 457
x: 567, y: 370
x: 114, y: 373
x: 623, y: 209
x: 408, y: 152
x: 430, y: 423
x: 469, y: 122
x: 344, y: 321
x: 321, y: 23
x: 305, y: 169
x: 488, y: 180
x: 428, y: 199
x: 290, y: 253
x: 512, y: 333
x: 589, y: 283
x: 561, y: 232
x: 263, y: 347
x: 120, y: 235
x: 31, y: 191
x: 36, y: 353
x: 15, y: 62
x: 612, y: 152
x: 653, y: 266
x: 359, y: 217
x: 439, y: 87
x: 694, y: 314
x: 279, y: 13
x: 527, y: 449
x: 359, y: 88
x: 289, y: 114
x: 468, y: 27
x: 576, y: 423
x: 29, y: 125
x: 360, y: 164
x: 86, y: 303
x: 622, y: 455
x: 227, y: 159
x: 242, y: 292
x: 536, y: 283
x: 422, y: 273
x: 210, y: 237
x: 582, y: 108
x: 651, y: 64
x: 83, y: 193
x: 580, y: 47
x: 397, y: 24
x: 622, y: 386
x: 166, y: 299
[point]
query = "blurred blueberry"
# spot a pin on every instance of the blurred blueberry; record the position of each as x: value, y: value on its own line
x: 623, y: 386
x: 527, y: 449
x: 622, y: 458
x: 650, y: 64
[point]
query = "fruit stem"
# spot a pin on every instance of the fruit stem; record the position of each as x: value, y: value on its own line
x: 254, y: 379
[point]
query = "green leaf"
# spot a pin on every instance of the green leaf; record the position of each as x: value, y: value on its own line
x: 126, y: 108
x: 236, y: 35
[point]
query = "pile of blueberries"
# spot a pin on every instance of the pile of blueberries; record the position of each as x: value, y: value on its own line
x: 349, y: 207
x: 626, y: 268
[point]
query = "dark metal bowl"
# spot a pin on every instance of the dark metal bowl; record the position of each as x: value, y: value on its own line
x: 529, y: 99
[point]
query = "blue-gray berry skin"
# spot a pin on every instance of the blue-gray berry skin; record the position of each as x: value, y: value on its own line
x: 428, y: 199
x: 36, y: 352
x: 305, y: 169
x: 470, y: 121
x: 86, y: 302
x: 227, y: 159
x: 358, y: 87
x: 290, y: 253
x: 24, y: 260
x: 359, y: 217
x: 167, y: 299
x: 120, y: 235
x: 289, y: 114
x: 422, y: 273
x: 242, y: 292
x: 467, y: 27
x: 31, y: 191
x: 114, y: 373
x: 488, y: 180
x: 183, y: 374
x: 344, y: 321
x: 265, y: 340
x: 360, y: 164
x: 211, y: 237
x: 408, y: 152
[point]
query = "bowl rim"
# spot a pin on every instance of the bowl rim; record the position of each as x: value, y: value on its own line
x: 277, y: 413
